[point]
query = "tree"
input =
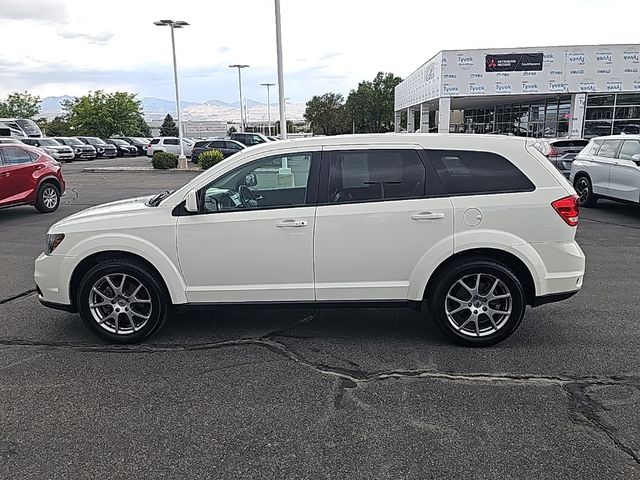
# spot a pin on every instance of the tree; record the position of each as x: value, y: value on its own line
x: 103, y: 114
x: 371, y: 104
x: 327, y: 115
x: 20, y: 105
x: 142, y: 129
x: 168, y: 127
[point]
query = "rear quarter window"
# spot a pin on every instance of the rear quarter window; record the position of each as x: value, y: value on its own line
x: 155, y: 141
x: 465, y: 172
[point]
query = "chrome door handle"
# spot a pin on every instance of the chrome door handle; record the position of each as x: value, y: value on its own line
x: 6, y: 174
x: 292, y: 223
x: 428, y: 216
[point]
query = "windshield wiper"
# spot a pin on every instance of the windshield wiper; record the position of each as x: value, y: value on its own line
x: 155, y: 201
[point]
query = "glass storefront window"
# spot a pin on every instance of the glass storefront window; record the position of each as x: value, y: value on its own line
x: 629, y: 127
x: 628, y: 99
x: 597, y: 128
x: 599, y: 113
x: 599, y: 100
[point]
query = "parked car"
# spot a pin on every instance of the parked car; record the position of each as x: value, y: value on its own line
x: 474, y: 228
x: 80, y: 149
x: 139, y: 142
x: 103, y: 149
x: 29, y: 176
x: 54, y: 148
x: 124, y: 149
x: 170, y: 145
x: 249, y: 139
x: 10, y: 140
x: 561, y: 151
x: 226, y: 147
x: 608, y: 167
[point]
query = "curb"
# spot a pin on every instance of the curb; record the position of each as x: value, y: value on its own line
x: 135, y: 169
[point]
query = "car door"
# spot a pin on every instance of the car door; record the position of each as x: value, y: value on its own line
x: 600, y: 170
x: 624, y: 179
x: 382, y: 218
x: 171, y: 145
x: 253, y: 238
x: 16, y: 174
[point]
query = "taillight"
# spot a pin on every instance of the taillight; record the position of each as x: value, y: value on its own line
x: 148, y: 146
x: 552, y: 152
x: 568, y: 208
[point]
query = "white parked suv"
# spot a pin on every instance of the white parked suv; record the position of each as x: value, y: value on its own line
x: 170, y: 145
x: 472, y: 227
x: 608, y: 167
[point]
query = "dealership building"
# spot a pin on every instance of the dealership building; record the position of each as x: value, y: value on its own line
x: 574, y: 91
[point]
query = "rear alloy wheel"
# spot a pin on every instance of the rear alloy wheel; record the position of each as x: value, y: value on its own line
x: 478, y: 302
x: 121, y: 301
x: 585, y: 192
x: 48, y: 198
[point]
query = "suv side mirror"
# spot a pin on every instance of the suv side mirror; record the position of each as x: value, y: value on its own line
x: 191, y: 202
x: 251, y: 180
x: 636, y: 157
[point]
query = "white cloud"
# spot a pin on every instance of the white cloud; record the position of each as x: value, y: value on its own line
x: 328, y: 46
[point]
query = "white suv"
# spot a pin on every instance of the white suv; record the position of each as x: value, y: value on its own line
x: 169, y: 145
x: 473, y: 227
x: 608, y: 167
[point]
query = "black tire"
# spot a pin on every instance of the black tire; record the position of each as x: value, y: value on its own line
x: 156, y: 294
x: 583, y: 186
x: 48, y: 198
x: 438, y: 302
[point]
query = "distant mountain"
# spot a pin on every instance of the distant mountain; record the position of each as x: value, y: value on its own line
x: 160, y: 105
x: 53, y: 105
x: 156, y: 108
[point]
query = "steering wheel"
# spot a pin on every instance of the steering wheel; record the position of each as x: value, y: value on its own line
x: 247, y: 197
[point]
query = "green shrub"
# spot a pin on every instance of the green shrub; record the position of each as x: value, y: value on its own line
x: 164, y: 160
x: 210, y: 158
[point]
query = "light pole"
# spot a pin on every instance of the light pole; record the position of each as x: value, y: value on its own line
x: 268, y: 85
x: 173, y: 24
x: 240, y: 67
x: 283, y: 120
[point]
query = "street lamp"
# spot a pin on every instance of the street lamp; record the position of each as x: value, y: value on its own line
x: 268, y: 85
x: 173, y: 24
x: 283, y: 120
x: 240, y: 67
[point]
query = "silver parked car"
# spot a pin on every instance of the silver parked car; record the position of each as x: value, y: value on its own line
x: 561, y: 151
x: 608, y: 167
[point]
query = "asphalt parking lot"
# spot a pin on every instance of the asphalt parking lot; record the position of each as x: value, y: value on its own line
x: 350, y: 394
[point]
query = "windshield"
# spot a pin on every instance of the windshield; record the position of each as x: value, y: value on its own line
x: 95, y: 141
x: 116, y: 141
x: 71, y: 141
x: 48, y: 142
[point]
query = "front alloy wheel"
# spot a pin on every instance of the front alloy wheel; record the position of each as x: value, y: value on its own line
x: 120, y: 304
x: 122, y: 300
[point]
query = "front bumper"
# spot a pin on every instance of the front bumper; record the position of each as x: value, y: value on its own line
x: 52, y: 277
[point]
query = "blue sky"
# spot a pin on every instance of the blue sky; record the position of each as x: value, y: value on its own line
x: 60, y: 47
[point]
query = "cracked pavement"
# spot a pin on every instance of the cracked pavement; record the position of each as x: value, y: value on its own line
x: 357, y: 393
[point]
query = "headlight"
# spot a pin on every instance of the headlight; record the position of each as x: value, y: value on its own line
x: 78, y: 150
x: 100, y: 149
x: 50, y: 151
x: 53, y: 240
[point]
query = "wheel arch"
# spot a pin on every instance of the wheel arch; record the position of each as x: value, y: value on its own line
x: 510, y: 260
x: 48, y: 179
x: 93, y: 259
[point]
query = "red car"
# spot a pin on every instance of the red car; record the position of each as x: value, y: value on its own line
x: 29, y: 176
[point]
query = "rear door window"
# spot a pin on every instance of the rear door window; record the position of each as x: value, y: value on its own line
x: 171, y: 141
x: 475, y: 173
x: 16, y: 156
x: 375, y: 175
x: 609, y: 148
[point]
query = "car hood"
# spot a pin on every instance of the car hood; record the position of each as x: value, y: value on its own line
x: 106, y: 211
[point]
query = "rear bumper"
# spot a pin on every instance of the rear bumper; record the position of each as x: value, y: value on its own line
x: 58, y: 306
